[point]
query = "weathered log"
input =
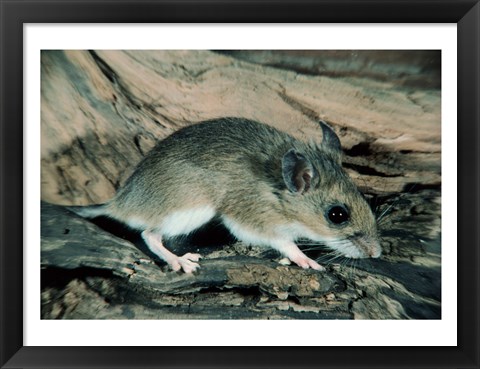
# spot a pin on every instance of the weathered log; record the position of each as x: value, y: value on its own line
x: 103, y: 110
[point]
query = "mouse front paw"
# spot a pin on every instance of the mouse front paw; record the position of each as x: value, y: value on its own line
x: 295, y: 255
x: 305, y: 262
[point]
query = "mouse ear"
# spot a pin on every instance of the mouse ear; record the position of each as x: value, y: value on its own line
x: 330, y: 138
x: 297, y: 171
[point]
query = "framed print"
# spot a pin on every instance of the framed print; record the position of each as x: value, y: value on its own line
x: 225, y: 184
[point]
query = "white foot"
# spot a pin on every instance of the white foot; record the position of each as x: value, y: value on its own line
x: 293, y: 253
x: 305, y: 262
x: 186, y: 262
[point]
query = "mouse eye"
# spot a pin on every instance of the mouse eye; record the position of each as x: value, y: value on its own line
x: 338, y: 214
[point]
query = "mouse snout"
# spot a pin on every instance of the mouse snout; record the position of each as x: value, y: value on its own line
x: 375, y: 252
x: 371, y: 247
x: 367, y: 247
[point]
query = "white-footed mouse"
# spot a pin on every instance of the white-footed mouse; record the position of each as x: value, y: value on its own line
x: 267, y: 188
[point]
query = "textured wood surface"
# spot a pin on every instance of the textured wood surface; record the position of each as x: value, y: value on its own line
x: 103, y: 110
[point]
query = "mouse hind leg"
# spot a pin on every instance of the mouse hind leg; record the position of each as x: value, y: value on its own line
x: 176, y: 223
x: 187, y: 262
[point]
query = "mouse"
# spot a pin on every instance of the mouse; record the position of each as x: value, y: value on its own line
x: 267, y: 188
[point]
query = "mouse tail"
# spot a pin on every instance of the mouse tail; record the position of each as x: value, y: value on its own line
x: 89, y: 211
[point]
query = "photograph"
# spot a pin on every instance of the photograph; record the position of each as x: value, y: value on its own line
x: 241, y: 184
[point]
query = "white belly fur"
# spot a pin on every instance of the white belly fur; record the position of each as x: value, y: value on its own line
x: 284, y: 233
x: 246, y: 235
x: 185, y: 221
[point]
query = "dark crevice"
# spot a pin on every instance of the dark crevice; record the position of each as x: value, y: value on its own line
x: 104, y: 67
x: 250, y: 293
x: 363, y: 169
x: 360, y: 149
x: 136, y: 142
x: 414, y: 187
x: 295, y: 104
x: 59, y: 277
x: 113, y: 77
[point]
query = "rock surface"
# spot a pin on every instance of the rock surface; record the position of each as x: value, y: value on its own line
x: 103, y: 110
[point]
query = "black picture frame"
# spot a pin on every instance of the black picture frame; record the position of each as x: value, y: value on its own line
x: 465, y: 13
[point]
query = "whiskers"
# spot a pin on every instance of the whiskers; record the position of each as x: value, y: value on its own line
x: 388, y: 210
x: 339, y: 261
x: 330, y: 257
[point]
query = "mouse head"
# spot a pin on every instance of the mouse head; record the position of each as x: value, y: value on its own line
x: 326, y: 202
